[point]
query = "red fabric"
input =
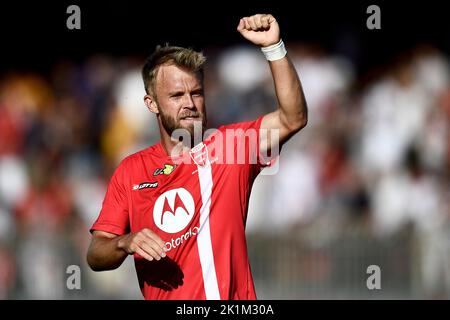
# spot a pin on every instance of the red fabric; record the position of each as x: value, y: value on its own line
x: 129, y: 205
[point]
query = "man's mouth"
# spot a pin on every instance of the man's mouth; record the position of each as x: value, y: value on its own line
x: 190, y: 118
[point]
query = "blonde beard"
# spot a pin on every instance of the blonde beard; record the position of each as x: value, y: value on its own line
x: 170, y: 125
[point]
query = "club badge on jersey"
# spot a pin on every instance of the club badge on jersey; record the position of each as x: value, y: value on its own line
x: 199, y: 154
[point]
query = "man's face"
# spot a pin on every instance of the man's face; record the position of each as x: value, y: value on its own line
x: 180, y: 99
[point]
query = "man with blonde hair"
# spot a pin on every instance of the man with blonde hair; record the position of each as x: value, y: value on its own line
x: 181, y: 208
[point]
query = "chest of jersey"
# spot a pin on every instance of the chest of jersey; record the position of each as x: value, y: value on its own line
x: 178, y: 201
x: 165, y: 198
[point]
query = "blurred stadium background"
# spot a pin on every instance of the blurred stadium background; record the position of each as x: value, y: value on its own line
x: 365, y: 183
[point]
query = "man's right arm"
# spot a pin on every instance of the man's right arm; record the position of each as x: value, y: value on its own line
x: 107, y: 250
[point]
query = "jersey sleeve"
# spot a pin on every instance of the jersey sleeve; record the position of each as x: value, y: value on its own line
x: 114, y: 216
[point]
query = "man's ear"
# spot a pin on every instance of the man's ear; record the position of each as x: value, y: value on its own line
x: 150, y: 102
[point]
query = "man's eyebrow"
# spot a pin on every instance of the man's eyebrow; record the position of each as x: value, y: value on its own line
x: 175, y: 92
x: 197, y: 89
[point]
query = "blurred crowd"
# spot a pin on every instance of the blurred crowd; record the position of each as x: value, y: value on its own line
x: 375, y: 155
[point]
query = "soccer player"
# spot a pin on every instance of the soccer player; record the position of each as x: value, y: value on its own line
x: 181, y: 208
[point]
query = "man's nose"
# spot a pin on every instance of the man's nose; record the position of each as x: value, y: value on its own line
x: 188, y: 102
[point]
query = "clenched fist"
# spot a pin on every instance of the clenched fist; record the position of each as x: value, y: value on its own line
x: 260, y: 29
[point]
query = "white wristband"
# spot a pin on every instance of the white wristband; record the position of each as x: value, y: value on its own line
x: 275, y: 51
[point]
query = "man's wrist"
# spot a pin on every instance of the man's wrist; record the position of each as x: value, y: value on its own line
x: 121, y: 243
x: 274, y: 52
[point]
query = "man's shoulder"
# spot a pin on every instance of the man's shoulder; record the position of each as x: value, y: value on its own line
x: 250, y: 124
x: 131, y: 159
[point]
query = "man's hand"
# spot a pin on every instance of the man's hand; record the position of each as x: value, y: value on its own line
x: 145, y: 243
x: 260, y: 29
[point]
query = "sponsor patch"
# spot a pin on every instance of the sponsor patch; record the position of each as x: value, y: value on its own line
x: 145, y: 185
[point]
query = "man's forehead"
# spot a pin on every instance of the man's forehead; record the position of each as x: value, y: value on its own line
x: 171, y: 72
x: 172, y: 75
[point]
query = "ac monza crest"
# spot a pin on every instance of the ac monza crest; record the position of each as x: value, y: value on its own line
x: 199, y: 154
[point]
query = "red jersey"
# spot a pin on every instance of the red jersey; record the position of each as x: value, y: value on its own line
x: 198, y: 205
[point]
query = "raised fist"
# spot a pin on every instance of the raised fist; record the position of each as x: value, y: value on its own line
x: 260, y: 29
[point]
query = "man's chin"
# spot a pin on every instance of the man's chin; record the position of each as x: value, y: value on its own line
x: 193, y: 128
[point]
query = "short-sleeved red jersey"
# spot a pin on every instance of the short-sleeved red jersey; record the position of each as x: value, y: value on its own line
x: 198, y: 205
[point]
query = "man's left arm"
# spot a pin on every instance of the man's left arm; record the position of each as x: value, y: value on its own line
x: 292, y: 114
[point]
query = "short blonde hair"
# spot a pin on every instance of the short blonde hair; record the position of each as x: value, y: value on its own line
x: 186, y: 58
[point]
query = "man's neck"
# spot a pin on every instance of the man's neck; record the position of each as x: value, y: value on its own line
x: 173, y: 148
